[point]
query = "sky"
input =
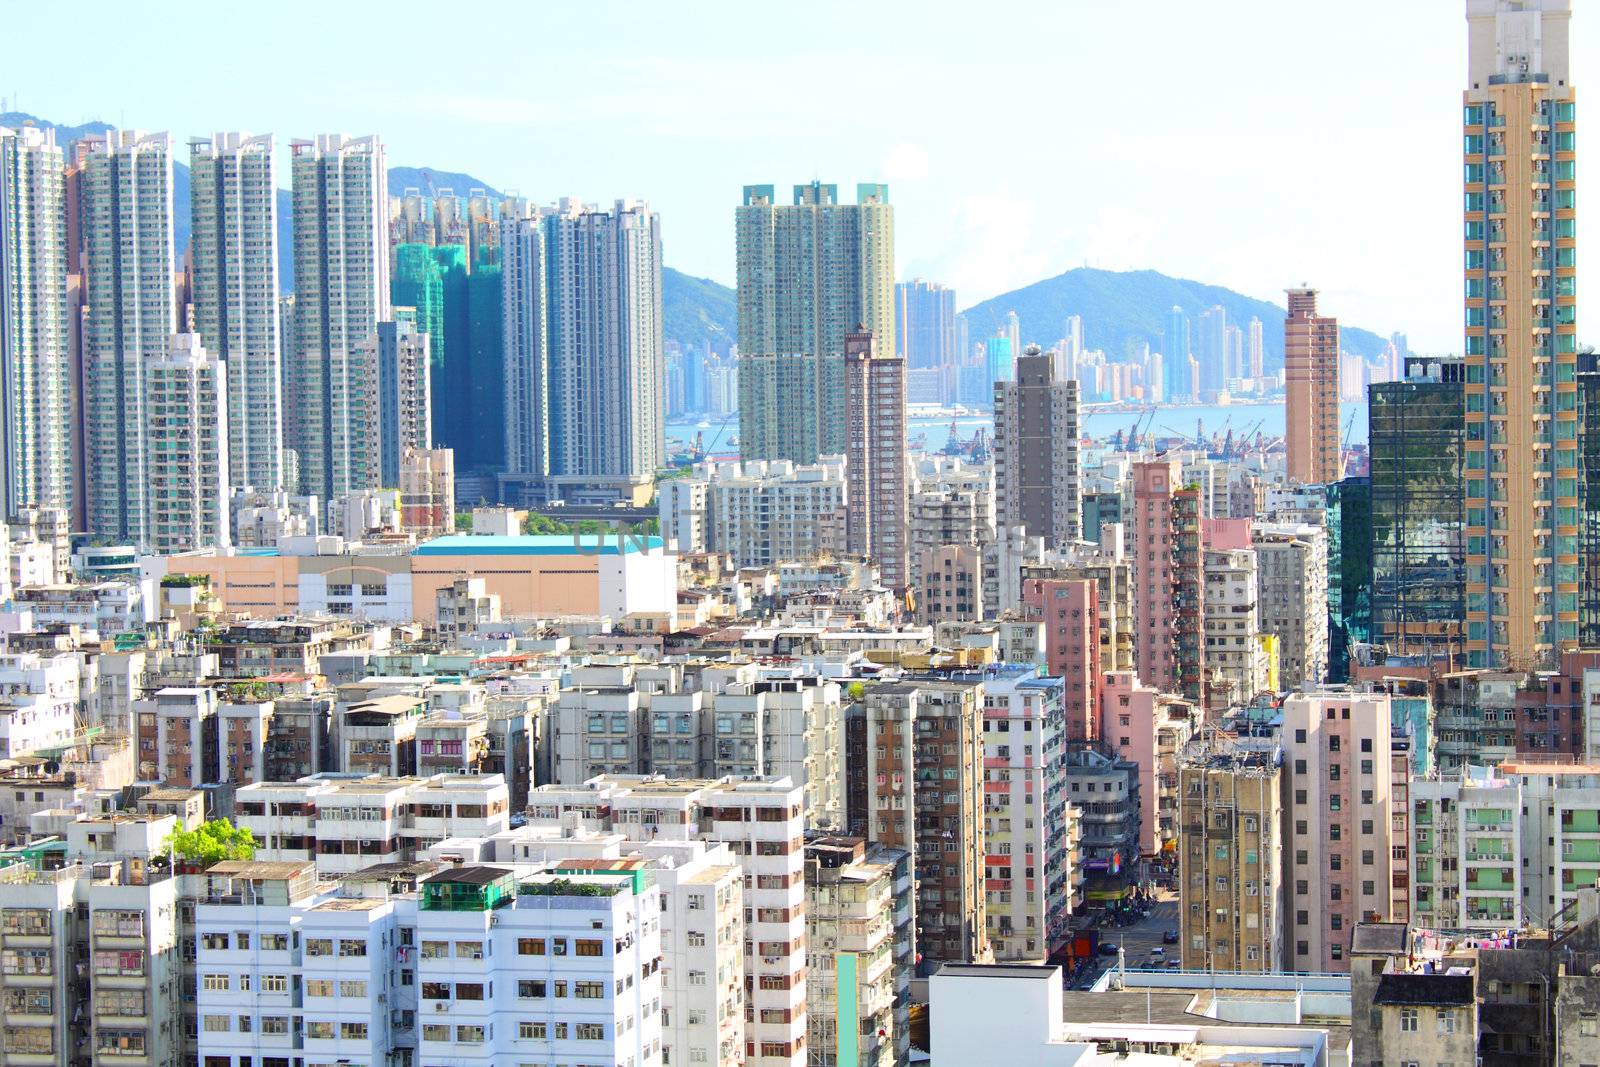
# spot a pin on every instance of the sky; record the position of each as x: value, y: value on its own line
x: 1256, y: 144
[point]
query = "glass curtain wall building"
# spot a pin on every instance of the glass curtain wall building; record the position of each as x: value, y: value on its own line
x: 1417, y: 439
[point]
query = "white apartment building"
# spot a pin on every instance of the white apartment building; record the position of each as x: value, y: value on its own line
x: 35, y: 427
x: 599, y: 724
x: 90, y: 965
x: 760, y: 513
x: 462, y: 607
x: 341, y: 204
x: 234, y: 252
x: 761, y: 822
x: 105, y: 608
x: 463, y: 965
x: 702, y: 951
x: 1026, y: 814
x: 186, y: 402
x: 126, y: 189
x: 1236, y: 662
x: 1494, y: 848
x: 784, y: 727
x: 40, y: 701
x: 344, y: 824
x: 1292, y: 598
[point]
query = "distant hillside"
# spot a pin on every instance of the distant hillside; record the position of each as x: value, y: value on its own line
x: 698, y: 312
x: 429, y: 180
x: 1122, y: 308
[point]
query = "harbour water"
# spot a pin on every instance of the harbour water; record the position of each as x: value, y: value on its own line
x: 1170, y: 420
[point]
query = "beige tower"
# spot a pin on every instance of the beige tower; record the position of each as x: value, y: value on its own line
x: 1311, y: 380
x: 1523, y: 511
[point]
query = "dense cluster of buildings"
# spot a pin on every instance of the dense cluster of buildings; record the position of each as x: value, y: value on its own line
x: 852, y: 727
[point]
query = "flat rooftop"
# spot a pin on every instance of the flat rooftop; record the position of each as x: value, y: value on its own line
x: 1000, y: 970
x: 532, y: 545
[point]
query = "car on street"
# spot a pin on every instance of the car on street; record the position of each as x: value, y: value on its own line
x: 1107, y: 948
x: 1170, y: 937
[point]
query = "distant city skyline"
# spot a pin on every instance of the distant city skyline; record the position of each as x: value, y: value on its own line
x: 1301, y: 169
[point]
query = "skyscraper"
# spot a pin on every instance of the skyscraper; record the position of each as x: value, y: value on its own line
x: 341, y: 210
x: 1311, y: 377
x: 186, y: 401
x: 1589, y: 501
x: 234, y: 250
x: 526, y: 386
x: 584, y: 370
x: 925, y: 324
x: 1211, y: 350
x: 1417, y: 442
x: 1175, y: 360
x: 433, y: 279
x: 1037, y: 481
x: 38, y: 412
x: 809, y: 273
x: 1257, y: 354
x: 1521, y: 334
x: 603, y: 283
x: 127, y: 233
x: 876, y: 474
x: 400, y: 356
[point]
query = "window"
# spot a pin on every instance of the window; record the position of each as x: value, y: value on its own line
x: 353, y: 1031
x: 589, y: 990
x: 1408, y: 1020
x: 530, y: 946
x: 530, y: 989
x: 531, y: 1031
x: 214, y: 982
x: 469, y: 1035
x: 353, y: 988
x: 1446, y: 1023
x: 274, y: 1024
x: 322, y: 946
x: 217, y: 1023
x: 591, y: 1032
x: 319, y: 987
x: 469, y: 990
x: 587, y: 947
x: 322, y: 1031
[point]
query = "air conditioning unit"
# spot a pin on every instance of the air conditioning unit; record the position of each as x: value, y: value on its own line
x: 494, y: 920
x: 441, y: 1007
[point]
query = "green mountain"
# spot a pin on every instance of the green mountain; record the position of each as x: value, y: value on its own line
x: 697, y: 312
x: 1122, y: 308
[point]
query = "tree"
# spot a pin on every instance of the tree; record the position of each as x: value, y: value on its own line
x: 212, y: 842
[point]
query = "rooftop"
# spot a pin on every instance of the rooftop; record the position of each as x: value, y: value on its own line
x: 1386, y: 938
x: 258, y: 870
x: 474, y: 875
x: 998, y: 970
x: 1432, y: 989
x: 532, y: 545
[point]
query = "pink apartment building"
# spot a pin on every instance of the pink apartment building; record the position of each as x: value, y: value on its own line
x: 1339, y: 828
x: 1149, y: 728
x: 1070, y: 611
x: 1168, y: 579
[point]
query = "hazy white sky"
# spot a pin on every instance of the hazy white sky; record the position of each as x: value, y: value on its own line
x: 1249, y: 143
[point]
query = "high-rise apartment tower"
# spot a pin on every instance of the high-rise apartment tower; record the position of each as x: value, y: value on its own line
x: 1521, y: 334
